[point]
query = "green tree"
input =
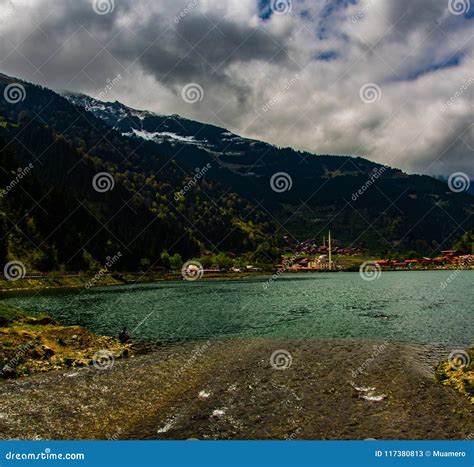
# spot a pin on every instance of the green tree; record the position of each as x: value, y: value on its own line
x: 90, y: 264
x: 412, y: 255
x: 266, y: 253
x: 206, y: 261
x: 222, y: 261
x: 175, y: 261
x: 466, y: 243
x: 165, y: 259
x: 45, y: 260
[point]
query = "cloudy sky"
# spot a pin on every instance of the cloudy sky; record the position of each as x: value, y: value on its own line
x: 391, y: 80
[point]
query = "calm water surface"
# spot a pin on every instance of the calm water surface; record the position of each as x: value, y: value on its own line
x: 399, y: 306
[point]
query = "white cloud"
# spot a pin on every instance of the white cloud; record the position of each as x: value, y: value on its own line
x: 242, y: 63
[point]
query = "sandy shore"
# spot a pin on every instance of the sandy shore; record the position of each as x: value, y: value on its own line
x: 230, y: 390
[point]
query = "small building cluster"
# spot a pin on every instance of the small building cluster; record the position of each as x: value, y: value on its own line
x: 311, y: 247
x: 448, y: 258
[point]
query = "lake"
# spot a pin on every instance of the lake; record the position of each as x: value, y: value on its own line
x: 397, y: 307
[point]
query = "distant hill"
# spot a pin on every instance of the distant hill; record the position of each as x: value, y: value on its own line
x: 186, y: 186
x: 470, y: 188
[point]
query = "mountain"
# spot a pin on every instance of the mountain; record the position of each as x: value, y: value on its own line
x: 183, y: 187
x: 396, y: 211
x: 53, y: 216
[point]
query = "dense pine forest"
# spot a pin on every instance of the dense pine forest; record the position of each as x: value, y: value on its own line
x: 158, y: 212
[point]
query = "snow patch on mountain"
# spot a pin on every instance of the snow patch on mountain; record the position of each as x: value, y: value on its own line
x: 159, y: 137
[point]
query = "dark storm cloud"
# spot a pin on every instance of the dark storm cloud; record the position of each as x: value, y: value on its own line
x: 291, y: 79
x: 195, y: 50
x: 72, y: 42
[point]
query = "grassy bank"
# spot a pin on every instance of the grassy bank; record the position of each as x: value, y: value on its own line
x: 459, y: 374
x: 32, y: 344
x: 55, y: 281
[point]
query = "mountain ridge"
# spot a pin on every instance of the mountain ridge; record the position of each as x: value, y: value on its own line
x: 233, y: 206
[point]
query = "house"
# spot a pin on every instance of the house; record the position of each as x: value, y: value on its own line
x: 210, y: 270
x: 448, y: 252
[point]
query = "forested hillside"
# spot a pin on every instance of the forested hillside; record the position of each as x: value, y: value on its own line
x: 169, y: 186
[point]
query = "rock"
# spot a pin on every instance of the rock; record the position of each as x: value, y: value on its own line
x: 41, y: 321
x: 8, y: 372
x: 48, y: 352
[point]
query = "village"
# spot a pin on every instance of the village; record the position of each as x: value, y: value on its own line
x: 332, y: 256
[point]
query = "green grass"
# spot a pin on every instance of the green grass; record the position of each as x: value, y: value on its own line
x: 351, y: 260
x: 5, y: 124
x: 8, y: 314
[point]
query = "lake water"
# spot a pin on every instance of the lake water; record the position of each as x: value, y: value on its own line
x: 399, y: 306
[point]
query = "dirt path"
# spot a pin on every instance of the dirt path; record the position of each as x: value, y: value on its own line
x: 229, y: 390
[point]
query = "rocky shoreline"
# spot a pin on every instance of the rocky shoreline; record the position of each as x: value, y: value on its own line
x: 37, y: 344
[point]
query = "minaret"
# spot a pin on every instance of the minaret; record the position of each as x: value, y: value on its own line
x: 330, y: 251
x: 324, y: 240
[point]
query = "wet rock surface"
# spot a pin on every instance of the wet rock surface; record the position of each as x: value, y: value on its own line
x: 244, y: 389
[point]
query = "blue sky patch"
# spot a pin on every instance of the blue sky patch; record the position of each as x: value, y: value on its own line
x: 449, y: 62
x: 327, y: 56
